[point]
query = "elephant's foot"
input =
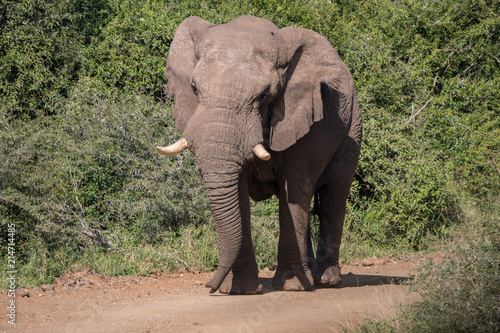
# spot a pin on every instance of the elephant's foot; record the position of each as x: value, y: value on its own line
x: 241, y: 284
x: 328, y: 276
x: 293, y: 280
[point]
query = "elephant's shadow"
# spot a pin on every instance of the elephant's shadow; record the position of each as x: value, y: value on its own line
x: 349, y: 280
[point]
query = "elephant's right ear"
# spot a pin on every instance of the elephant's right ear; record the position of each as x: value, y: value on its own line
x: 181, y: 62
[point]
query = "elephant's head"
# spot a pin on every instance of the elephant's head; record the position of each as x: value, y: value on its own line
x: 244, y: 89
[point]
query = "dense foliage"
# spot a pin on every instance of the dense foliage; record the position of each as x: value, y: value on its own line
x: 83, y: 105
x: 460, y: 292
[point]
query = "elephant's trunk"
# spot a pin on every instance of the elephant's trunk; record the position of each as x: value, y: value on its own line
x: 223, y: 191
x: 223, y: 137
x: 221, y: 162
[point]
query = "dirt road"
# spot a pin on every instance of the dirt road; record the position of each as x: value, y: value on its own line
x: 89, y: 302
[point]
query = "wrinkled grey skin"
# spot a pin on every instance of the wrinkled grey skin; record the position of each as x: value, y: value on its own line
x: 248, y: 82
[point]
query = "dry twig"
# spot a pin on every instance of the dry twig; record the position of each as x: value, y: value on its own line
x: 414, y: 115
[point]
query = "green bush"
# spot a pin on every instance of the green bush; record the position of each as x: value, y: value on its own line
x: 84, y: 105
x: 459, y: 294
x: 41, y: 44
x: 411, y: 57
x: 93, y: 168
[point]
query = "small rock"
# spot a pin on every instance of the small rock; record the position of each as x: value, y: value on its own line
x: 268, y: 271
x: 48, y: 287
x: 198, y: 283
x: 22, y: 293
x: 381, y: 261
x: 273, y: 268
x: 367, y: 262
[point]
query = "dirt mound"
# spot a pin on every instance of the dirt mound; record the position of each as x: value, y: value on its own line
x: 85, y: 278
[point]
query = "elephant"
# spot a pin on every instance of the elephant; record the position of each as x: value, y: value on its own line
x: 267, y: 111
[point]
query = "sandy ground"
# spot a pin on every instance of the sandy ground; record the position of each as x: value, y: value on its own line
x: 89, y: 302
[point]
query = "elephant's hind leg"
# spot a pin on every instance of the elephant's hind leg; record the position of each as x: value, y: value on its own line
x: 331, y: 216
x: 331, y: 213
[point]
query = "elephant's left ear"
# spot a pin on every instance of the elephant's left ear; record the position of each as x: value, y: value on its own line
x: 181, y: 62
x: 314, y: 81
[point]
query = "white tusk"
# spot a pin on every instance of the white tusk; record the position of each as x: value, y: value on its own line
x: 261, y: 152
x: 173, y: 149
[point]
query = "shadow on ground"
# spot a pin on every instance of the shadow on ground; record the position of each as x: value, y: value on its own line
x: 360, y: 280
x: 349, y: 280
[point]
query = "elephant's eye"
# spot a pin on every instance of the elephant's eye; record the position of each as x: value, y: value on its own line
x: 263, y: 97
x: 193, y: 86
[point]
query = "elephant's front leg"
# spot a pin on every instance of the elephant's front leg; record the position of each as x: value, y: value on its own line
x: 243, y: 277
x: 293, y: 273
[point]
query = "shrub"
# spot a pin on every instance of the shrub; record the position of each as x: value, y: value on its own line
x: 93, y: 169
x: 41, y: 50
x: 83, y: 105
x: 459, y: 294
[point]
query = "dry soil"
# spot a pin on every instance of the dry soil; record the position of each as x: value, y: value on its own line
x: 89, y: 302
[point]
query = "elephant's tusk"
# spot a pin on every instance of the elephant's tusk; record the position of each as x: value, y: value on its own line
x: 173, y: 149
x: 261, y: 152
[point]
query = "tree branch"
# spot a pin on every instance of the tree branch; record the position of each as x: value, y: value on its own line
x: 414, y: 115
